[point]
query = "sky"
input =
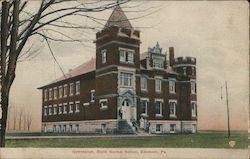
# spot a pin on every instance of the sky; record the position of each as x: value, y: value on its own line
x: 216, y: 33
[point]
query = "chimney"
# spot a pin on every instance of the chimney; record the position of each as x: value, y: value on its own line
x: 171, y: 56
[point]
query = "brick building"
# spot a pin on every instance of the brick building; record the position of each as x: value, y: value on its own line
x: 123, y: 91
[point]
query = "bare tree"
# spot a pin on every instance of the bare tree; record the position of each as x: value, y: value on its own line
x: 16, y: 31
x: 20, y: 117
x: 28, y: 120
x: 14, y: 117
x: 19, y: 25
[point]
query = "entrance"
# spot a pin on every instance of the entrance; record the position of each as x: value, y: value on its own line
x: 126, y: 110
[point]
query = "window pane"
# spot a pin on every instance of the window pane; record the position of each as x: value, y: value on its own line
x: 143, y: 106
x: 158, y: 107
x: 122, y: 56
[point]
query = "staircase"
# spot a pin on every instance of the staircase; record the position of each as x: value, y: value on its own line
x: 124, y: 127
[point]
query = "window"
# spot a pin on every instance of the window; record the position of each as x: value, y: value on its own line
x: 103, y: 103
x: 45, y: 95
x: 78, y: 87
x: 104, y: 56
x: 126, y: 79
x: 126, y: 56
x: 172, y: 86
x: 158, y: 63
x: 54, y: 128
x: 71, y: 128
x: 55, y: 110
x: 65, y: 90
x: 77, y: 128
x: 172, y: 108
x: 172, y: 128
x: 158, y: 127
x: 144, y: 84
x: 65, y: 109
x: 60, y: 92
x: 193, y: 87
x: 158, y: 85
x: 193, y: 71
x: 77, y: 107
x: 184, y: 70
x: 50, y: 94
x: 71, y: 89
x: 71, y: 105
x: 92, y: 95
x: 158, y: 107
x: 144, y: 105
x: 50, y: 110
x: 55, y: 92
x: 60, y: 111
x: 45, y: 111
x: 194, y: 109
x: 64, y: 128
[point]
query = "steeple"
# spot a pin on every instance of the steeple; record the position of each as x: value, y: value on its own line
x: 119, y: 19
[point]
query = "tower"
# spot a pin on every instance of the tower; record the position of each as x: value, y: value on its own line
x: 117, y: 59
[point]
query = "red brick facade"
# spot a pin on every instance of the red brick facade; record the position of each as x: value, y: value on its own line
x: 114, y: 90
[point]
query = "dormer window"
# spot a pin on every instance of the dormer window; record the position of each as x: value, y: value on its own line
x: 158, y: 63
x: 126, y: 56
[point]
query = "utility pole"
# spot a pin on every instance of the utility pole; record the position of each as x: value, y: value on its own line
x: 228, y: 120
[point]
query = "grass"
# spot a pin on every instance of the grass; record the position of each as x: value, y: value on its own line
x: 199, y: 140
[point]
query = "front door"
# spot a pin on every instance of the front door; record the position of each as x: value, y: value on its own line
x: 126, y: 110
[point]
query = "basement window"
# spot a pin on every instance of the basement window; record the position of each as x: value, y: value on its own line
x: 103, y: 103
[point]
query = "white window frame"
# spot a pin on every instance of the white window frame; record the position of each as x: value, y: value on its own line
x: 65, y: 105
x: 144, y: 83
x: 45, y: 110
x: 76, y: 90
x: 175, y: 105
x: 54, y: 109
x: 160, y: 131
x: 161, y: 104
x: 60, y: 92
x: 77, y: 128
x: 65, y: 92
x: 71, y: 89
x: 127, y: 55
x: 128, y: 76
x: 92, y: 95
x: 55, y: 92
x: 194, y: 111
x: 60, y: 109
x: 172, y: 85
x: 46, y: 95
x: 193, y: 86
x: 146, y: 107
x: 50, y: 109
x: 104, y: 56
x: 71, y: 107
x: 172, y: 131
x: 50, y: 94
x: 158, y: 63
x: 77, y: 110
x: 101, y: 103
x: 158, y: 89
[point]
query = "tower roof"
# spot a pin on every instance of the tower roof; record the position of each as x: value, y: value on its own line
x: 119, y: 19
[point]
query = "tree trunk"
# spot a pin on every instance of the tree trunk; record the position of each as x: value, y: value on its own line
x: 5, y: 103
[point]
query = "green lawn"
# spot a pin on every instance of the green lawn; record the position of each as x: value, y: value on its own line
x: 199, y: 140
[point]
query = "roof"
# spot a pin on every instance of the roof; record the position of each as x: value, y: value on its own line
x: 84, y: 68
x: 119, y: 19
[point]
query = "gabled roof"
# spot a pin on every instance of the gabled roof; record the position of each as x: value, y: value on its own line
x: 84, y: 68
x: 119, y: 19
